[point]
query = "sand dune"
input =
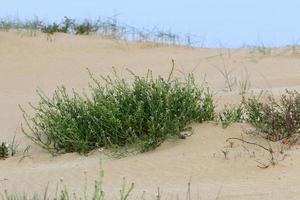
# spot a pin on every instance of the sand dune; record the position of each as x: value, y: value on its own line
x: 27, y: 63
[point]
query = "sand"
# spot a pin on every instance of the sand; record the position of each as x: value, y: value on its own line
x: 27, y: 63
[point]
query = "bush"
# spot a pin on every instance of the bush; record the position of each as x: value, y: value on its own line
x: 231, y: 114
x: 51, y: 28
x: 117, y: 114
x: 66, y: 26
x: 277, y: 120
x: 86, y: 28
x: 5, y: 25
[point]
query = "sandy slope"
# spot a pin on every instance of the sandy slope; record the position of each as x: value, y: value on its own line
x: 30, y: 62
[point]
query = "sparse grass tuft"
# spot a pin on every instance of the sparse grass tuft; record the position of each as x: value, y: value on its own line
x: 63, y: 193
x: 230, y: 80
x: 117, y: 114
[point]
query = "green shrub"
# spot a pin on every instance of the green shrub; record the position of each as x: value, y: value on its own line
x: 117, y: 114
x: 6, y: 24
x: 51, y: 29
x: 231, y: 114
x: 86, y: 28
x: 67, y: 25
x: 276, y: 119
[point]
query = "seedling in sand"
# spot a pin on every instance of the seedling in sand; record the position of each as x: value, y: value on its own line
x: 9, y: 149
x: 231, y: 114
x: 225, y: 153
x: 4, y: 150
x: 230, y: 80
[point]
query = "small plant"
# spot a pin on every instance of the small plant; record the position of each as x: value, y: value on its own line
x: 264, y: 51
x: 13, y: 146
x: 67, y: 25
x: 4, y: 150
x: 5, y: 26
x: 225, y: 153
x: 85, y: 28
x: 272, y: 160
x: 244, y: 83
x: 9, y: 149
x: 230, y: 80
x: 232, y: 83
x: 125, y: 192
x: 167, y: 37
x: 278, y: 120
x: 231, y: 114
x: 261, y: 49
x: 50, y: 29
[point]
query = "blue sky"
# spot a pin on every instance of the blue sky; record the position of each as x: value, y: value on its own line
x: 229, y: 23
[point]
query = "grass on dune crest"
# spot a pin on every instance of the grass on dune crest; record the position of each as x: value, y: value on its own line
x: 107, y: 27
x: 116, y: 114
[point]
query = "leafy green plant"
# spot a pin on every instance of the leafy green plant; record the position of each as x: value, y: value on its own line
x: 117, y: 114
x: 277, y: 120
x: 231, y: 114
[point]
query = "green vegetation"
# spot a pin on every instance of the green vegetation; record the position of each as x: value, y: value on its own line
x: 231, y: 114
x: 86, y: 28
x: 51, y: 29
x: 144, y: 113
x: 62, y: 192
x: 8, y: 149
x: 116, y: 114
x: 108, y: 27
x: 277, y: 120
x: 232, y: 83
x: 4, y: 150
